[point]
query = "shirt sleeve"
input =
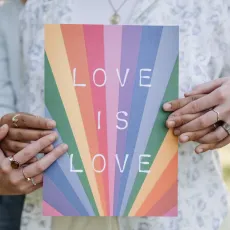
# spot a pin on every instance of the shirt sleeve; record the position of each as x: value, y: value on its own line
x: 7, y: 100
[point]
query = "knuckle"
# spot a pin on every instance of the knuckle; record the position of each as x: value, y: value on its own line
x: 19, y: 135
x: 221, y: 95
x: 39, y: 167
x: 26, y: 153
x: 14, y: 181
x: 201, y: 122
x: 5, y: 169
x: 194, y: 107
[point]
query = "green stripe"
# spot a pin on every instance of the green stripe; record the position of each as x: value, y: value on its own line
x: 157, y: 136
x: 55, y: 106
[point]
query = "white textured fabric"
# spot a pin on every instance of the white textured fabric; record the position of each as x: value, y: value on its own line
x: 204, y: 56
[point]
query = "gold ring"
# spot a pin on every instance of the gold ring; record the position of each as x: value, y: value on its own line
x: 15, y: 120
x: 28, y: 178
x: 14, y: 164
x: 218, y: 114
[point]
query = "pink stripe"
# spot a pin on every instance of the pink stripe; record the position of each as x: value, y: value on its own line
x: 49, y: 211
x: 113, y: 42
x: 173, y: 212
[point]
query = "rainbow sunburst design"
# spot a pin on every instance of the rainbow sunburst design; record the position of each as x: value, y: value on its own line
x: 105, y: 86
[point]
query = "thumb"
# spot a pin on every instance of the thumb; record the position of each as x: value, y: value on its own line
x: 3, y: 131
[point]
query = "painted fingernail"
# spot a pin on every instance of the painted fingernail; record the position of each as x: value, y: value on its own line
x: 64, y: 147
x: 171, y: 124
x: 51, y: 124
x: 176, y: 132
x: 184, y: 138
x: 167, y: 106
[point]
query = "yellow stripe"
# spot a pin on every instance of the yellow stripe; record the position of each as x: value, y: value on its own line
x: 166, y: 153
x: 56, y: 53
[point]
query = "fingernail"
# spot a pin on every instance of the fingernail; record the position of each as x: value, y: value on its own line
x: 53, y: 137
x: 176, y: 132
x: 200, y: 150
x: 4, y: 127
x: 167, y: 106
x: 171, y: 124
x: 51, y: 124
x: 184, y: 138
x: 64, y: 147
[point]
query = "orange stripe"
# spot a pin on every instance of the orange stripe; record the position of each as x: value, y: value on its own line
x: 165, y: 182
x: 76, y: 51
x: 168, y: 201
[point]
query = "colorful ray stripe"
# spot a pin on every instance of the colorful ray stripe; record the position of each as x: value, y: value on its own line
x: 149, y: 43
x: 165, y: 155
x: 165, y: 203
x: 108, y: 49
x: 49, y: 211
x: 59, y: 201
x: 156, y: 137
x: 75, y: 47
x: 60, y: 67
x: 112, y: 47
x: 72, y: 178
x: 161, y: 188
x: 130, y: 61
x: 52, y: 98
x: 95, y: 57
x: 165, y: 61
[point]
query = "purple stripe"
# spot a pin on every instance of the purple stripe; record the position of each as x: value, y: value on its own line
x: 165, y: 61
x: 131, y: 36
x: 56, y: 199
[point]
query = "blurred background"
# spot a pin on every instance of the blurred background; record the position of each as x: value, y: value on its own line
x: 225, y: 160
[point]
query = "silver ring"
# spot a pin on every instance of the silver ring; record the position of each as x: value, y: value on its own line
x: 226, y: 127
x: 33, y: 182
x: 218, y: 114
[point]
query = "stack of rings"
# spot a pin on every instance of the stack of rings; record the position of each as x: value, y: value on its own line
x: 223, y: 124
x: 15, y: 164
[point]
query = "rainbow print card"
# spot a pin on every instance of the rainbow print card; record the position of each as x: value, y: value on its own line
x: 105, y: 86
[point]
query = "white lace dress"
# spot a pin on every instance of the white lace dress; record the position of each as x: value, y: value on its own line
x: 204, y: 56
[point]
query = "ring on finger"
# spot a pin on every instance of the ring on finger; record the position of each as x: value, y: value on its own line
x: 226, y: 127
x: 218, y: 114
x: 15, y: 120
x: 28, y: 178
x: 13, y: 163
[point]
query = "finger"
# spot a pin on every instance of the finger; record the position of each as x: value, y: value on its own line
x: 206, y: 87
x: 205, y: 147
x: 202, y: 122
x: 214, y: 137
x: 26, y: 135
x: 206, y: 102
x: 180, y: 103
x: 223, y: 143
x: 13, y: 146
x: 194, y: 136
x: 3, y: 131
x: 28, y: 121
x: 45, y: 162
x: 37, y: 180
x: 48, y: 149
x: 174, y: 121
x: 34, y: 148
x: 35, y: 122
